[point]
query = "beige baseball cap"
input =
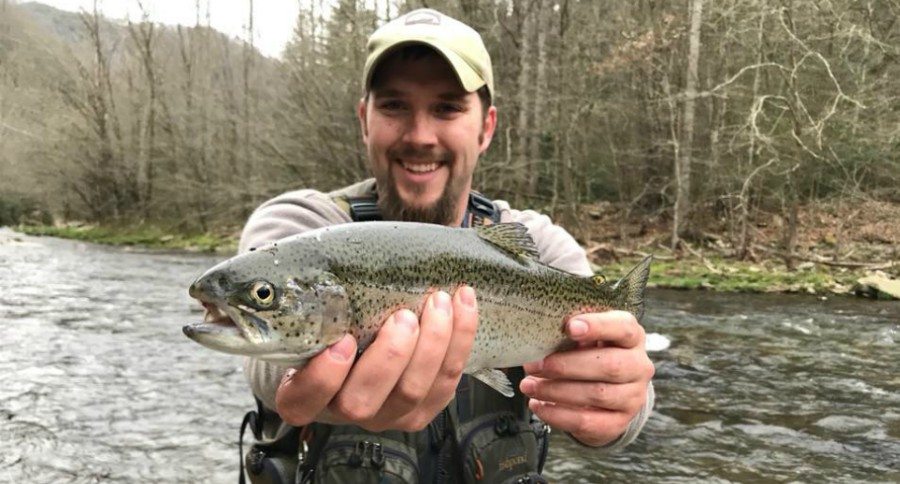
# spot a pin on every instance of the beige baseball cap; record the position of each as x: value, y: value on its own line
x: 460, y: 44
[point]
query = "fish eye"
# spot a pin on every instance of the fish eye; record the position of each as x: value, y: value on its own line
x: 262, y: 293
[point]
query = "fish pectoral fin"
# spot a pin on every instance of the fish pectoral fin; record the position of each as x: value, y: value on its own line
x: 495, y: 379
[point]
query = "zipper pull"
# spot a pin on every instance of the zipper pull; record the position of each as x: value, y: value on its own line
x: 377, y: 457
x: 356, y: 458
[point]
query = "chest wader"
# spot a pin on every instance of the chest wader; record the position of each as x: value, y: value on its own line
x: 481, y: 437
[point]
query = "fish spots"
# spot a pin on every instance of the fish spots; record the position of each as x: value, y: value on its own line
x: 522, y: 305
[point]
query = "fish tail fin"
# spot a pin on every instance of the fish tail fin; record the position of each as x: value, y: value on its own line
x: 630, y: 289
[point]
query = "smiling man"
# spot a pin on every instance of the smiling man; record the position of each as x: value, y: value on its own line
x: 402, y: 410
x: 423, y: 134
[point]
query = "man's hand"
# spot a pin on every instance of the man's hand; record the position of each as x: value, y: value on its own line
x: 404, y: 378
x: 594, y: 391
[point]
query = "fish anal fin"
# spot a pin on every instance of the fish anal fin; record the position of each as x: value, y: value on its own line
x: 511, y: 237
x: 495, y: 379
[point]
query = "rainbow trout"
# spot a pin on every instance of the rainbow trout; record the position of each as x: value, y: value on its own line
x: 289, y: 300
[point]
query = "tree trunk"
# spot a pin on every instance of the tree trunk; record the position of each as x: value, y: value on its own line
x: 247, y: 162
x: 683, y: 162
x: 743, y: 241
x: 539, y: 123
x: 790, y: 235
x: 142, y: 36
x: 524, y: 84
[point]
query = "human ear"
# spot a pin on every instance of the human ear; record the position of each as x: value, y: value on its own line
x: 489, y: 125
x: 361, y: 115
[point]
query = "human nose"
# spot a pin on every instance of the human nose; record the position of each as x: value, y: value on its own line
x: 420, y: 130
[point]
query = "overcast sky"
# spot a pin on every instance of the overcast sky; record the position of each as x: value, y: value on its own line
x: 273, y: 19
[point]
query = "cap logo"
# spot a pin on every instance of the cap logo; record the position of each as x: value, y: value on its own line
x: 429, y: 18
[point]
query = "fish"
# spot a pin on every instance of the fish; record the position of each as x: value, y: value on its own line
x: 289, y: 300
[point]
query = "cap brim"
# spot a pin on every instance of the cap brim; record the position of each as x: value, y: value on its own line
x: 467, y: 76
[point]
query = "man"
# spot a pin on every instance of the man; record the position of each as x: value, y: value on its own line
x: 426, y: 117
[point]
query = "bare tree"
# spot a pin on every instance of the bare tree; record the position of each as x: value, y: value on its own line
x: 683, y: 158
x: 142, y: 35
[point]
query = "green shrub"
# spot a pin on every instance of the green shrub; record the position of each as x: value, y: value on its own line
x: 16, y: 209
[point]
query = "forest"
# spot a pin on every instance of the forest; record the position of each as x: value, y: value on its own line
x: 700, y: 122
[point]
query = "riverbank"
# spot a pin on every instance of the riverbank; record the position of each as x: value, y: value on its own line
x: 835, y: 247
x: 147, y: 236
x: 737, y: 276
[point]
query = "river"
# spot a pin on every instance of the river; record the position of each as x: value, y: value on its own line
x: 100, y: 385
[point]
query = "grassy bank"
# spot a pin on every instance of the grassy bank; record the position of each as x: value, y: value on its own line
x: 834, y: 245
x: 737, y: 276
x: 149, y: 236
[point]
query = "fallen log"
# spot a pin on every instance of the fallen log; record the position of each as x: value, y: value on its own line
x: 818, y: 259
x: 616, y: 252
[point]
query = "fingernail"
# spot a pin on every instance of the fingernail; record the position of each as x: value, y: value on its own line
x: 527, y: 386
x: 407, y: 320
x: 343, y: 349
x: 441, y: 301
x: 287, y: 375
x: 577, y: 327
x: 467, y: 296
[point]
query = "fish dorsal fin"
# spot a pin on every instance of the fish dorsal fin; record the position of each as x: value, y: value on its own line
x: 511, y: 237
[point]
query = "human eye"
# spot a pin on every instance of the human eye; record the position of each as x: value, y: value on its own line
x: 449, y: 108
x: 391, y: 105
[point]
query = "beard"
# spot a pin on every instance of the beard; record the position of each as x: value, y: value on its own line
x: 444, y: 211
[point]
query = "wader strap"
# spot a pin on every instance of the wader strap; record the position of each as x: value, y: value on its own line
x: 315, y: 436
x: 480, y: 211
x: 252, y: 420
x: 364, y: 209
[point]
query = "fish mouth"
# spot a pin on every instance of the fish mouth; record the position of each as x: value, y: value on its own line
x: 228, y: 329
x: 225, y: 327
x: 238, y: 331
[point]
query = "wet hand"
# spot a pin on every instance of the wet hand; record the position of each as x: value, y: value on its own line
x: 595, y: 390
x: 404, y: 378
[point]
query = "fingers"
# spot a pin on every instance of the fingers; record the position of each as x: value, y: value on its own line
x: 590, y: 426
x: 303, y: 393
x: 612, y: 365
x: 465, y: 325
x: 379, y: 368
x: 451, y: 363
x: 618, y: 328
x: 435, y: 329
x: 593, y: 391
x: 626, y: 398
x: 402, y: 380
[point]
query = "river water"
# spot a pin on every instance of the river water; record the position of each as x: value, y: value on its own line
x: 98, y: 384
